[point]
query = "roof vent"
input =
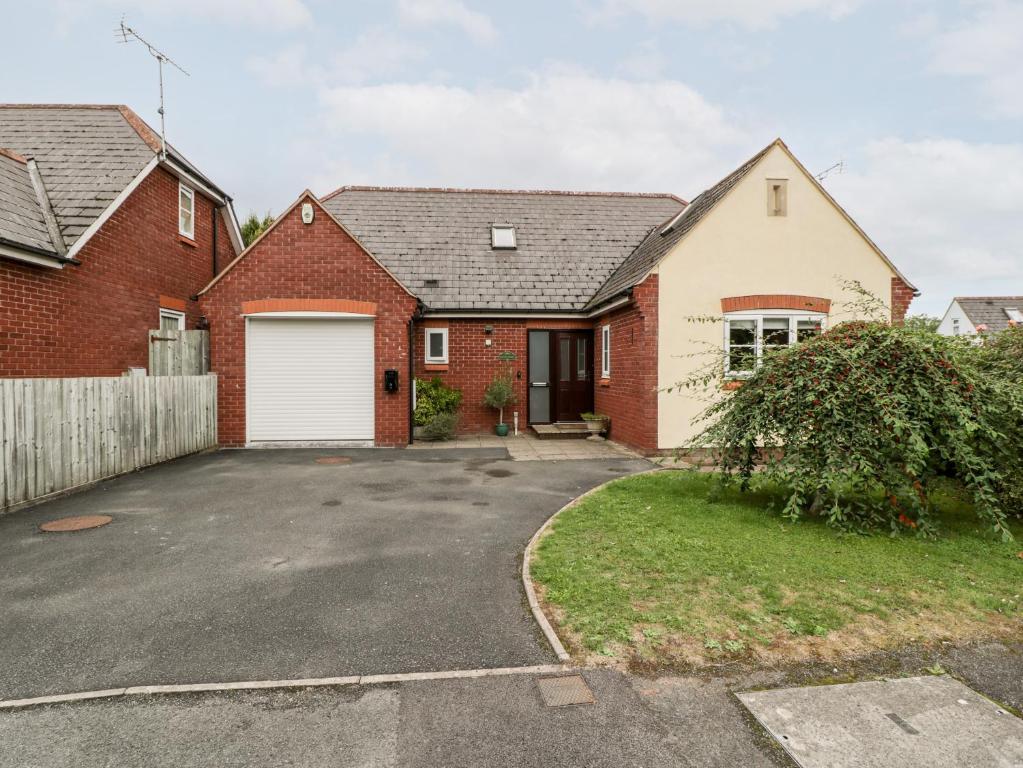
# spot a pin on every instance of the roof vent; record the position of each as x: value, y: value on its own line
x: 502, y: 236
x: 431, y: 283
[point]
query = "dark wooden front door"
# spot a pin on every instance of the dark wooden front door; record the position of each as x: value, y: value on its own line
x: 572, y: 368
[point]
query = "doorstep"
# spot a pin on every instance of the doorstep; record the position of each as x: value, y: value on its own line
x: 528, y: 447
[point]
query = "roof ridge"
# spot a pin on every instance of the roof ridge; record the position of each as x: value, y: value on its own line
x: 10, y: 153
x: 60, y: 106
x: 985, y: 298
x: 487, y: 191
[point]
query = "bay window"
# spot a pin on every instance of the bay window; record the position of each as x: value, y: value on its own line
x: 749, y: 337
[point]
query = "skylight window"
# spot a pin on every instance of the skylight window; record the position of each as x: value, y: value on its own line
x: 1014, y: 314
x: 502, y: 236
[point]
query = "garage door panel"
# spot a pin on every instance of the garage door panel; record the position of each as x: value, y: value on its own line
x: 310, y: 379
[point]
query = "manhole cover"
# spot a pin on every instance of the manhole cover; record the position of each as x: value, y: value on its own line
x: 564, y: 691
x: 79, y: 523
x: 334, y: 460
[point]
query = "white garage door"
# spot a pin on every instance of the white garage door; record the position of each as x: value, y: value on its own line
x: 309, y: 379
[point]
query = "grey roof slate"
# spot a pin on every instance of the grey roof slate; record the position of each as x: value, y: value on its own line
x: 567, y: 243
x: 989, y: 310
x: 86, y: 156
x: 21, y: 217
x: 659, y: 241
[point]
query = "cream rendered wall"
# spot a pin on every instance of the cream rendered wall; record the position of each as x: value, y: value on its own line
x: 955, y: 312
x: 738, y: 250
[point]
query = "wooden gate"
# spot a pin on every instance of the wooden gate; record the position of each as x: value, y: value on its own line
x: 179, y: 353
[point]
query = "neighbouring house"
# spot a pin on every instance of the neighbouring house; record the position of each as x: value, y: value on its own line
x: 587, y: 299
x: 103, y: 236
x: 970, y: 315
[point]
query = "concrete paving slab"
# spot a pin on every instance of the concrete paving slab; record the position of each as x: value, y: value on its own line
x: 919, y: 721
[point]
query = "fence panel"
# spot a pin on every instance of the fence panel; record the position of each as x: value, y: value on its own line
x: 179, y: 353
x: 57, y: 434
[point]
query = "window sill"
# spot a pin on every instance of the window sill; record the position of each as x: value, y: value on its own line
x: 604, y: 382
x: 435, y: 367
x: 187, y: 241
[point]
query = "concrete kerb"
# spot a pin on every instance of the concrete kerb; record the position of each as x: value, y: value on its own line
x: 527, y: 580
x: 252, y: 685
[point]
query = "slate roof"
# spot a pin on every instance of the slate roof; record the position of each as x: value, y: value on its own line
x: 989, y: 310
x: 662, y: 238
x: 86, y: 156
x: 568, y: 243
x: 22, y: 224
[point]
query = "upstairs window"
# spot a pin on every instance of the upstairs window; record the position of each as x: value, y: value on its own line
x: 186, y: 211
x: 777, y: 197
x: 955, y: 326
x: 502, y: 237
x: 1015, y: 315
x: 437, y: 346
x: 749, y: 337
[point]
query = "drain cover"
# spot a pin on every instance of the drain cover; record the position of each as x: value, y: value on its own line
x: 79, y: 523
x: 564, y: 691
x: 334, y: 460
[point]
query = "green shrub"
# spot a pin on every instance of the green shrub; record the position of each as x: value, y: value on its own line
x: 434, y: 397
x: 441, y: 427
x: 860, y: 423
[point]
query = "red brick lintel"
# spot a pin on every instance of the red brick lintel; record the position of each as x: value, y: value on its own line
x: 776, y: 301
x: 309, y: 305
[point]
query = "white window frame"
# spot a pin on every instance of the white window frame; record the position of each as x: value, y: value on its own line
x: 956, y: 330
x: 758, y: 338
x: 443, y: 359
x: 173, y: 314
x: 1014, y: 314
x: 605, y: 352
x: 190, y: 194
x: 503, y: 227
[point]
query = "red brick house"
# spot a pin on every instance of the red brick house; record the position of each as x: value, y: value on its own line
x: 103, y: 236
x: 319, y: 326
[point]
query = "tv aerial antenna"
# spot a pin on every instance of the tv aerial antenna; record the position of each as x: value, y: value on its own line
x: 837, y: 168
x: 126, y: 34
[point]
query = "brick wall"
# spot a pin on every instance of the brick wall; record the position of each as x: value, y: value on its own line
x: 315, y: 261
x: 629, y: 396
x: 472, y: 365
x: 902, y: 296
x: 93, y: 319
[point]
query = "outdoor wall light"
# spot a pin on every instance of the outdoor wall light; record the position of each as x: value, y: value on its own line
x: 488, y: 329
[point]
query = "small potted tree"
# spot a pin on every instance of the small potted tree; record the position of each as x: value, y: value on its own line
x: 499, y: 394
x: 595, y: 422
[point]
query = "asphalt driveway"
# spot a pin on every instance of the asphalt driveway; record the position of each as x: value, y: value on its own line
x: 247, y: 565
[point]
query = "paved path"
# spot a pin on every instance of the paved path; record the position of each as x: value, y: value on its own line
x: 245, y: 565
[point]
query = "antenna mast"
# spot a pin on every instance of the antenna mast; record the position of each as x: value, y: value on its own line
x: 126, y: 35
x: 838, y: 167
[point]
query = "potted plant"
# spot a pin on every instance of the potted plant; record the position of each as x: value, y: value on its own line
x: 499, y: 394
x: 595, y: 422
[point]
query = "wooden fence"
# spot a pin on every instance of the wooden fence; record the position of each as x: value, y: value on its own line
x: 179, y: 353
x: 57, y: 434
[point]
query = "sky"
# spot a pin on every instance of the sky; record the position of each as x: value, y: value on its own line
x: 922, y: 101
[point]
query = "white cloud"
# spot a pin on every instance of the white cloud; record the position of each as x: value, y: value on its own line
x: 375, y: 53
x: 285, y: 14
x: 948, y: 213
x: 988, y: 46
x: 747, y: 13
x: 560, y: 130
x: 476, y: 25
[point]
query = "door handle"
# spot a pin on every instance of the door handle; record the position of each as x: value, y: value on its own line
x: 539, y: 384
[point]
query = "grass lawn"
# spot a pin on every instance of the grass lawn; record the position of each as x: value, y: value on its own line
x: 669, y: 568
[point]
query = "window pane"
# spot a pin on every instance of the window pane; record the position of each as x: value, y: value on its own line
x: 776, y: 331
x: 806, y: 329
x: 740, y: 359
x: 741, y: 331
x: 580, y: 359
x: 437, y: 346
x: 565, y: 369
x: 169, y: 323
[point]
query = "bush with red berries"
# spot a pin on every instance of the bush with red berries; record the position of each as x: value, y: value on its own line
x: 861, y: 423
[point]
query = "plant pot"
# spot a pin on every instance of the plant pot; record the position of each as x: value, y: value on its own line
x: 596, y: 426
x: 501, y: 430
